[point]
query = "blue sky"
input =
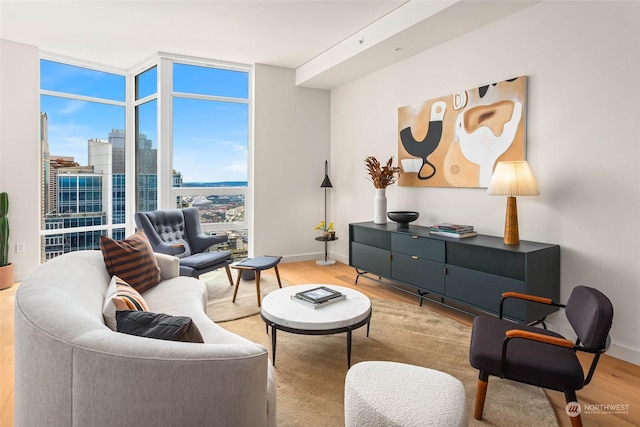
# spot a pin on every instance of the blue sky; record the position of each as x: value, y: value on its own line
x: 210, y: 138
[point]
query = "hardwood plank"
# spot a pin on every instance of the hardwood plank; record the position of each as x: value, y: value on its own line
x: 6, y: 355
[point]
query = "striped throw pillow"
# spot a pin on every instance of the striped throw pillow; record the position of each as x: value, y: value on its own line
x: 132, y: 260
x: 121, y: 296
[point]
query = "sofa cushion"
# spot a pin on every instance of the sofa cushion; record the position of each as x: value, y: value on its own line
x: 131, y: 259
x: 158, y: 325
x: 121, y: 296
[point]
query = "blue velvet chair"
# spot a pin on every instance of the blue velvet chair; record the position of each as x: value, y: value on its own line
x: 539, y: 357
x: 178, y: 232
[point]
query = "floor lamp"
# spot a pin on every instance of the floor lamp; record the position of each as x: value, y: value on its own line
x: 512, y: 179
x: 326, y: 183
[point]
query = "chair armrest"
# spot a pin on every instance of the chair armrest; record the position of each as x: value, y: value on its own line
x: 169, y: 265
x: 168, y: 248
x: 201, y: 242
x: 533, y: 336
x: 526, y: 297
x: 516, y: 333
x: 534, y: 298
x: 198, y: 240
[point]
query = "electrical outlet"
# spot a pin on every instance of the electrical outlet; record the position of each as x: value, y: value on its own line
x: 20, y: 247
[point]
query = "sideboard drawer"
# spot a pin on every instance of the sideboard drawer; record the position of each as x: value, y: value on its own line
x: 422, y: 273
x: 489, y: 260
x: 371, y: 237
x: 422, y: 247
x: 370, y: 259
x: 484, y: 291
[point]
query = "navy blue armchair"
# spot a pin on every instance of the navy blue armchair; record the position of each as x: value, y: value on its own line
x: 178, y: 232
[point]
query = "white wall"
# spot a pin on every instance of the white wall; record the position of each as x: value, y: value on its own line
x: 583, y: 142
x: 19, y: 150
x: 291, y: 144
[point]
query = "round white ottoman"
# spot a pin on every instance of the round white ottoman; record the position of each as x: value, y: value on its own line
x: 397, y: 394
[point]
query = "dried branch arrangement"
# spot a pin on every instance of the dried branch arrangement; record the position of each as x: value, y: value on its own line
x: 382, y: 176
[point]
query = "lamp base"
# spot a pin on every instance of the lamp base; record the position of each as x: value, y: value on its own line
x: 511, y: 236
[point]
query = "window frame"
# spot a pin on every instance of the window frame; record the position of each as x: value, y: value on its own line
x: 167, y: 194
x: 164, y: 96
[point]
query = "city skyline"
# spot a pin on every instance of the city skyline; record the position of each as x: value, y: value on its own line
x: 85, y: 195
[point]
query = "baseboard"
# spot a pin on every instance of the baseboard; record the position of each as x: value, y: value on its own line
x: 342, y: 259
x: 624, y: 353
x: 313, y: 257
x: 302, y: 257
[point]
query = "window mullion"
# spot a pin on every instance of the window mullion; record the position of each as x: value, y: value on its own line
x: 165, y: 134
x: 82, y: 98
x: 209, y: 97
x: 130, y: 157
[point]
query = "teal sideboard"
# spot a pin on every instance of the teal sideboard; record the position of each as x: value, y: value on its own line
x: 471, y: 272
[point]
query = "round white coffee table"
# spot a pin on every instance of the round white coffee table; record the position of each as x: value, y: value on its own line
x: 281, y: 312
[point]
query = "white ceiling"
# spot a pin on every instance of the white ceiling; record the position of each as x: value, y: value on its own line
x: 122, y: 34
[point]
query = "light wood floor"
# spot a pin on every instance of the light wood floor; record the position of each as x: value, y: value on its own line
x: 615, y: 383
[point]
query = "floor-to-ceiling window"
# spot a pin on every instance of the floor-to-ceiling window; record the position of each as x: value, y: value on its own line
x: 210, y: 145
x: 192, y: 131
x: 82, y: 124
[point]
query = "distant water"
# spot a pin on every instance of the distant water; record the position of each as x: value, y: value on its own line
x: 215, y: 184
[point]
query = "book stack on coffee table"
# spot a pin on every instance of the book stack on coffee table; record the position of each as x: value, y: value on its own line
x: 318, y: 297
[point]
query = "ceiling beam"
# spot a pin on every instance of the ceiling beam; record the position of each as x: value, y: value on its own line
x: 411, y: 28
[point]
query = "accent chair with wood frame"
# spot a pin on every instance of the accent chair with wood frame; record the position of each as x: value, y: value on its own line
x: 536, y: 356
x: 178, y: 232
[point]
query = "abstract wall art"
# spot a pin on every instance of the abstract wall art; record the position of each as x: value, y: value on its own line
x: 456, y: 140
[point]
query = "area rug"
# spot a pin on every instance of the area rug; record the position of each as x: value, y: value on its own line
x: 310, y: 370
x: 220, y: 293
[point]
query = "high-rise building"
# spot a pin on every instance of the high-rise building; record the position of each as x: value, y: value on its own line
x: 79, y: 204
x: 147, y: 175
x: 44, y: 166
x: 55, y: 164
x: 85, y: 196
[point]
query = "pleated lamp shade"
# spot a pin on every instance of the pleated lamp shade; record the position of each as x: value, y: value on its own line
x: 513, y: 179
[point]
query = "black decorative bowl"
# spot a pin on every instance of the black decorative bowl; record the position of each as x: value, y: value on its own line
x: 403, y: 218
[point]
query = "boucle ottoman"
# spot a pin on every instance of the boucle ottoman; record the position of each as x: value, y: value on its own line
x: 397, y: 394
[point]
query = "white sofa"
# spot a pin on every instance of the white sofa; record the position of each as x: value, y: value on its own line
x: 72, y: 370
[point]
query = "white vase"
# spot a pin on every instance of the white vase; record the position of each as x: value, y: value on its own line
x: 380, y: 206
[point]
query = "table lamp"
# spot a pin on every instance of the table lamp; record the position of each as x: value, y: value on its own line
x: 512, y: 179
